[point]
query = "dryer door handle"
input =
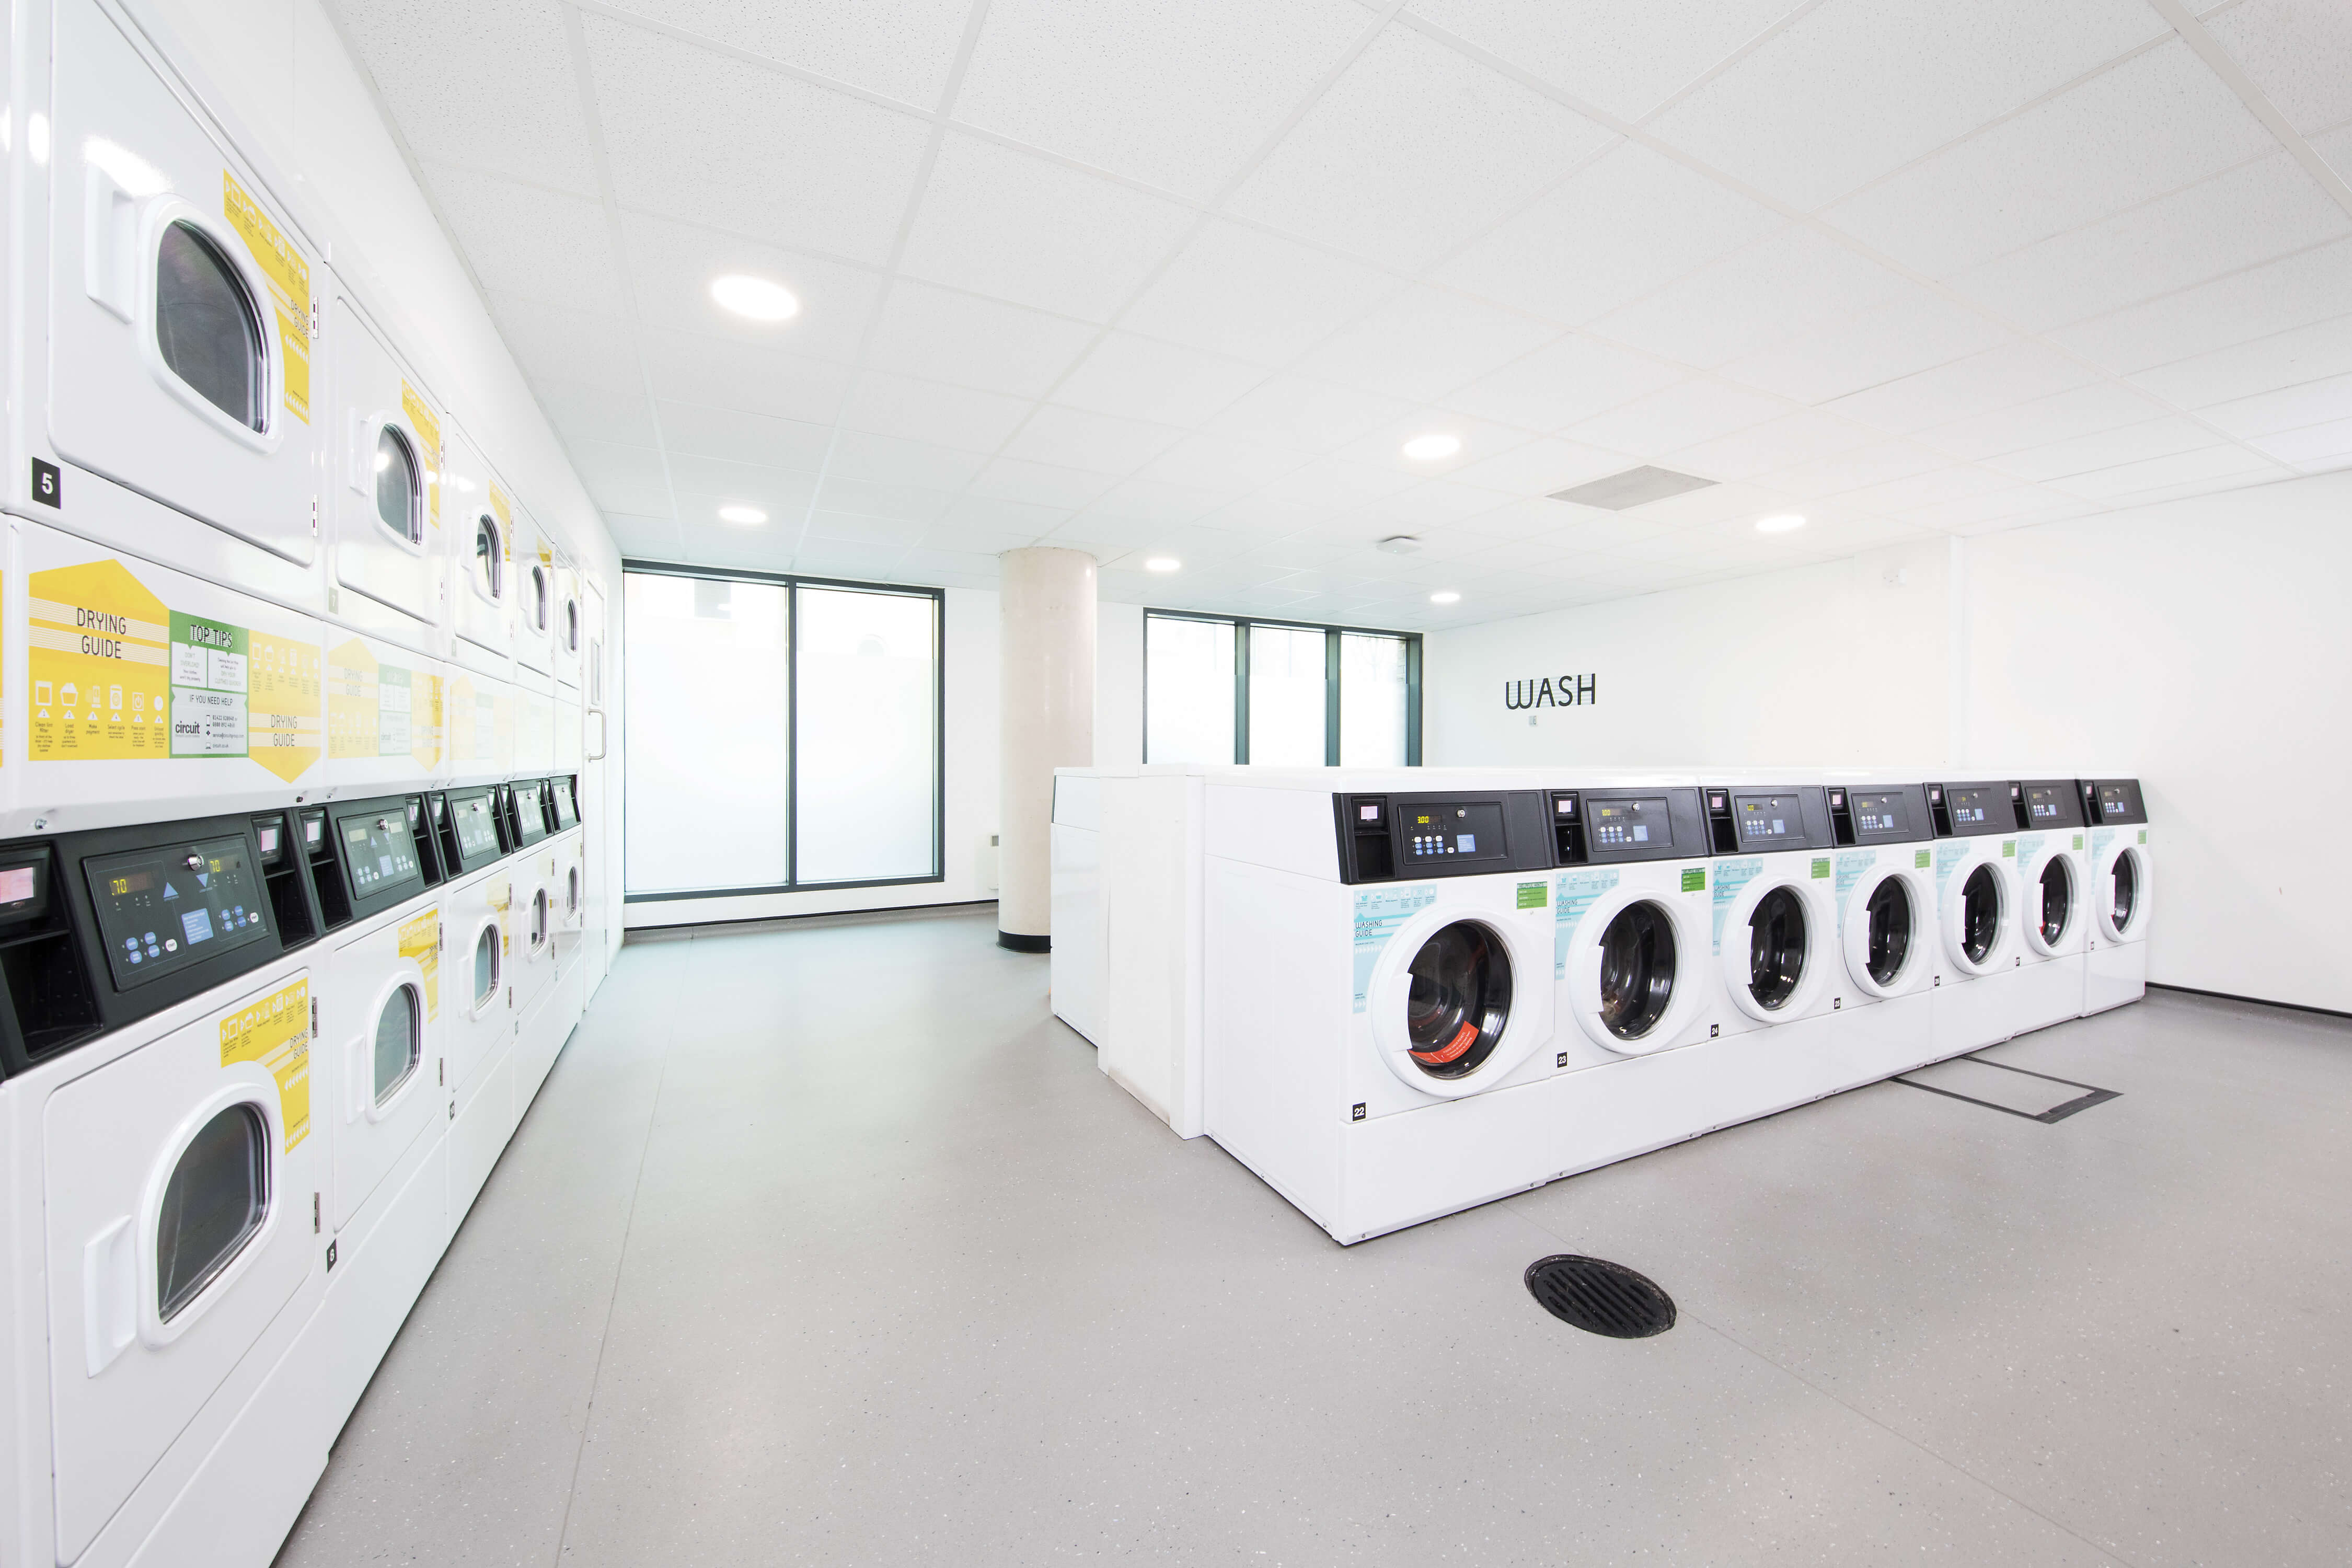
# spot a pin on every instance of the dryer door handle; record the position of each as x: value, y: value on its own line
x: 110, y: 1295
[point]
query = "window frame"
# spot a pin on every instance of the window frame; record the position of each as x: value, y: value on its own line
x: 1332, y: 658
x: 791, y: 582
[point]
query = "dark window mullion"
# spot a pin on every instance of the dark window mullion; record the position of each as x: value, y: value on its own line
x: 1240, y: 692
x: 792, y: 736
x: 1331, y: 697
x: 1412, y: 701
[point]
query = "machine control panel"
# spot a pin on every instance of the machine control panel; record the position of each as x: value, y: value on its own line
x: 1454, y: 831
x: 1762, y: 820
x: 476, y: 822
x: 1390, y: 837
x: 163, y: 909
x: 563, y: 794
x: 1882, y: 815
x: 1632, y: 822
x: 1623, y: 825
x: 527, y: 807
x: 2051, y: 803
x: 2106, y: 802
x: 1972, y: 810
x: 379, y: 853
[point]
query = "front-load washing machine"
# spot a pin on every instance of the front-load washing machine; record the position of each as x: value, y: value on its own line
x: 1886, y: 932
x: 1772, y: 934
x: 1378, y: 996
x: 2054, y: 879
x: 1631, y: 935
x: 2121, y: 891
x: 156, y: 1022
x: 1977, y: 904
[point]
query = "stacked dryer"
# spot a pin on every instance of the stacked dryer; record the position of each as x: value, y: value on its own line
x: 260, y: 618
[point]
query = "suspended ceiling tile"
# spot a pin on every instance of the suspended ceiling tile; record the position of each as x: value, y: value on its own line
x: 621, y: 478
x: 1775, y: 443
x: 2291, y: 293
x: 1536, y: 468
x: 2169, y: 436
x: 2334, y: 149
x: 1852, y: 90
x: 882, y: 498
x: 702, y: 431
x: 863, y: 528
x: 2313, y: 449
x: 1618, y: 229
x: 1035, y: 232
x: 2298, y: 52
x: 642, y: 538
x: 1174, y: 96
x: 1040, y: 484
x: 1908, y: 496
x: 1626, y: 56
x: 685, y: 368
x: 495, y: 92
x: 1225, y: 462
x: 947, y: 568
x: 527, y: 242
x: 2237, y: 219
x: 1075, y: 438
x: 1795, y: 281
x: 2154, y: 123
x: 1678, y: 417
x: 1143, y: 378
x: 904, y: 50
x: 968, y: 340
x: 2265, y: 364
x: 891, y: 459
x: 706, y: 484
x: 673, y: 265
x: 1384, y: 447
x: 2084, y: 411
x: 1313, y: 416
x: 552, y: 343
x: 692, y: 134
x: 1855, y: 469
x: 1149, y: 503
x: 2290, y: 408
x: 1411, y: 149
x: 1254, y: 296
x: 1914, y: 330
x: 841, y: 558
x: 1566, y: 380
x: 933, y: 412
x: 2012, y: 371
x: 1424, y: 343
x: 593, y: 414
x: 983, y: 523
x: 2191, y: 472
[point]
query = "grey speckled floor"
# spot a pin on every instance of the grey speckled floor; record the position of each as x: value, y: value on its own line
x: 830, y: 1246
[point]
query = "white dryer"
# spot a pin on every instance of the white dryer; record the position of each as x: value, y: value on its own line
x: 1773, y: 931
x: 2122, y: 892
x: 1379, y: 992
x: 474, y: 899
x: 1977, y: 913
x: 386, y: 494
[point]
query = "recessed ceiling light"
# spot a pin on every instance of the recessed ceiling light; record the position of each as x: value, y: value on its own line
x: 755, y: 296
x: 1430, y: 447
x: 1780, y: 523
x: 1446, y: 596
x: 1161, y: 564
x: 743, y: 514
x: 1399, y: 544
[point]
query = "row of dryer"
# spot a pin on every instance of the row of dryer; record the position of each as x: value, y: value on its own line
x: 258, y: 1066
x: 1395, y: 996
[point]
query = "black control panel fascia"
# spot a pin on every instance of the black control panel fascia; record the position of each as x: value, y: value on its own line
x: 1764, y: 819
x: 1880, y: 814
x: 1383, y: 839
x: 2110, y: 803
x: 1974, y: 809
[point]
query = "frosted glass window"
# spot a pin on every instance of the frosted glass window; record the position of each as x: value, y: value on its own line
x: 868, y: 736
x: 1371, y: 700
x: 710, y: 714
x: 1188, y: 699
x: 1286, y: 697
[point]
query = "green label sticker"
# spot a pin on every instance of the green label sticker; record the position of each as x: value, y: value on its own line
x: 2143, y: 836
x: 1533, y: 895
x: 1822, y: 868
x: 2078, y: 843
x: 1695, y: 879
x: 1921, y: 861
x: 2009, y: 848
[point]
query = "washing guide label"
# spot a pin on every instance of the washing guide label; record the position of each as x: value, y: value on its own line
x: 1731, y: 876
x: 1378, y: 916
x: 2029, y: 847
x: 427, y: 425
x: 1571, y: 898
x: 1947, y: 856
x: 275, y: 1031
x: 290, y: 289
x: 1852, y: 866
x: 420, y: 940
x: 116, y: 674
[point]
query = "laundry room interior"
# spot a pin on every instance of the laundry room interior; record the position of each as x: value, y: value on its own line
x: 1308, y: 781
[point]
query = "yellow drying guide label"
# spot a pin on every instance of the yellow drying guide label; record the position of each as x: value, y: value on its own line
x: 289, y: 286
x: 276, y: 1032
x: 420, y: 939
x: 427, y: 425
x: 380, y: 710
x: 115, y: 675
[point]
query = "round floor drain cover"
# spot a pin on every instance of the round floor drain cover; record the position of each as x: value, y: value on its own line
x: 1599, y: 1296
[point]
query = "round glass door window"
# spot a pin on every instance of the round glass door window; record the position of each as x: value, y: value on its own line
x: 1981, y: 914
x: 1776, y: 947
x: 1889, y: 945
x: 2123, y: 890
x: 398, y: 487
x: 2057, y: 899
x: 1637, y: 970
x: 215, y: 1202
x: 1459, y: 1001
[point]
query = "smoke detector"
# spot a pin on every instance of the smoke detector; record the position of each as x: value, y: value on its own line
x: 1400, y: 544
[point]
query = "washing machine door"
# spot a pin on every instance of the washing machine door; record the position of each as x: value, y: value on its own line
x: 179, y: 1180
x: 1980, y: 915
x: 1460, y: 998
x: 2052, y: 913
x: 1636, y: 970
x: 1774, y: 936
x: 1887, y: 940
x: 2122, y: 890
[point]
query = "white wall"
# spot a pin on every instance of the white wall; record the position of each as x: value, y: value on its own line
x: 2203, y: 646
x: 1118, y: 684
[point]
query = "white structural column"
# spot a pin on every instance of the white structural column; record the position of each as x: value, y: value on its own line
x: 1047, y: 605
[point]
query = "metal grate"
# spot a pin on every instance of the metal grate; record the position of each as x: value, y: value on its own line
x: 1599, y: 1296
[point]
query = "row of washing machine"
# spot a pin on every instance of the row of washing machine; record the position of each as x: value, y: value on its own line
x: 258, y: 1065
x: 1397, y: 994
x: 256, y: 538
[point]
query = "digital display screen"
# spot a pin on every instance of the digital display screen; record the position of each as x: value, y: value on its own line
x: 1452, y: 830
x: 567, y: 814
x: 19, y: 884
x: 271, y: 832
x: 314, y: 829
x: 477, y: 827
x: 1564, y: 806
x: 379, y: 852
x: 1368, y: 814
x: 1624, y: 824
x: 531, y: 815
x: 1879, y: 813
x: 1766, y: 818
x: 1980, y: 807
x: 160, y: 909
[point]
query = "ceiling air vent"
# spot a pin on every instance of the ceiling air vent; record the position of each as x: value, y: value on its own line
x: 1635, y: 487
